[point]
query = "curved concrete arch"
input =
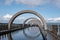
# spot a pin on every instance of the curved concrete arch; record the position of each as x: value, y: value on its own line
x: 29, y: 19
x: 38, y: 27
x: 24, y: 12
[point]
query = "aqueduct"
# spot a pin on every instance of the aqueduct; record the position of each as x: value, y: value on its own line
x: 24, y: 12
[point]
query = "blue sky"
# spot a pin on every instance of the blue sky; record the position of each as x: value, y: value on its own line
x: 49, y: 9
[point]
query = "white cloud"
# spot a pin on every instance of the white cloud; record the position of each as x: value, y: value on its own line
x: 54, y: 19
x: 32, y: 2
x: 28, y: 2
x: 21, y: 18
x: 7, y: 16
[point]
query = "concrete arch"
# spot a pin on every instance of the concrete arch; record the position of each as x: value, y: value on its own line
x: 24, y: 12
x: 29, y: 19
x: 38, y: 27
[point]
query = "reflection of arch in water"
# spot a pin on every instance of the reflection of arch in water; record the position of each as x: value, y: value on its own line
x: 24, y: 12
x: 24, y: 29
x: 38, y: 23
x: 9, y: 36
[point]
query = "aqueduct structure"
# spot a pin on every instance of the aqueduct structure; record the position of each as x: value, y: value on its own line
x: 25, y: 12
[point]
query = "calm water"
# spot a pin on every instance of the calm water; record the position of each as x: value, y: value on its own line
x: 19, y: 35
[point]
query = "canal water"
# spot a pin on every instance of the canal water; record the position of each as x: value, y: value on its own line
x: 19, y: 35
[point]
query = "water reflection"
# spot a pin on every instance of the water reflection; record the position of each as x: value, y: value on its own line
x: 3, y: 37
x: 9, y: 36
x: 19, y: 35
x: 32, y: 32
